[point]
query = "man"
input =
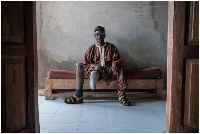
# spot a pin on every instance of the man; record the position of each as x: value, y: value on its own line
x: 103, y: 61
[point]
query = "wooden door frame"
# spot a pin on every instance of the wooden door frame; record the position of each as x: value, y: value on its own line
x: 177, y: 53
x: 33, y: 127
x: 173, y: 69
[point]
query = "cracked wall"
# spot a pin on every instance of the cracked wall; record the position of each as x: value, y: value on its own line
x: 137, y: 29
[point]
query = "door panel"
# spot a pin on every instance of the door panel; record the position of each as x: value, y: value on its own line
x: 19, y: 68
x: 193, y: 20
x: 13, y: 22
x: 15, y: 93
x: 191, y: 116
x: 182, y: 67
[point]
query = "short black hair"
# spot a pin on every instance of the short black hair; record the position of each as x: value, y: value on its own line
x: 99, y: 28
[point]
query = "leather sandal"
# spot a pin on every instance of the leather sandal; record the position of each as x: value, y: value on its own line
x: 74, y: 100
x: 124, y: 101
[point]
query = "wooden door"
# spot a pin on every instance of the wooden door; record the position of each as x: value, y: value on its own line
x: 19, y: 100
x: 183, y: 67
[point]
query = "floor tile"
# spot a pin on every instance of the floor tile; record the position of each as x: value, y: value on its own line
x: 141, y: 109
x: 97, y: 102
x: 159, y: 109
x: 117, y: 109
x: 150, y: 102
x: 93, y: 128
x: 152, y: 118
x: 42, y: 130
x: 94, y: 109
x: 46, y: 117
x: 162, y: 115
x: 125, y: 128
x: 120, y: 117
x: 61, y: 128
x: 49, y: 106
x: 70, y: 108
x: 51, y: 103
x: 44, y: 125
x: 98, y: 118
x: 153, y: 127
x: 48, y: 109
x: 112, y: 103
x: 66, y: 117
x: 40, y: 99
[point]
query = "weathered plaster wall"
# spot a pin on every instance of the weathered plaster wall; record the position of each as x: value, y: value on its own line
x: 137, y: 29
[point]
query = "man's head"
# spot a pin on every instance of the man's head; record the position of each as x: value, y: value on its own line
x: 99, y: 28
x: 99, y: 34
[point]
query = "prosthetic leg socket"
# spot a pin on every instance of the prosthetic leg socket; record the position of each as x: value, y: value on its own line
x: 94, y: 76
x: 79, y: 79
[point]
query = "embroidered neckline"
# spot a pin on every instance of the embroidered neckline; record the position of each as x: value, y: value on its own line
x: 101, y: 52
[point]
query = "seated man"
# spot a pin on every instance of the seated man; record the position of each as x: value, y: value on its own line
x: 103, y: 61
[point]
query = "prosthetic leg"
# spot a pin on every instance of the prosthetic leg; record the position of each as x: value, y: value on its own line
x: 78, y: 97
x: 94, y: 76
x: 79, y: 79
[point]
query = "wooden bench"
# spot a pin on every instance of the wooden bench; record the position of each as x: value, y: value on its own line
x: 62, y: 83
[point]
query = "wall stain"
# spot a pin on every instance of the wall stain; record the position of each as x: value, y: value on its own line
x: 155, y: 26
x: 42, y: 22
x: 46, y: 63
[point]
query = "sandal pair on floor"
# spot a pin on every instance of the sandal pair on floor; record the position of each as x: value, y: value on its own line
x: 77, y: 100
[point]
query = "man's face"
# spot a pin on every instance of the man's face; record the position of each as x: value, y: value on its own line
x: 99, y: 36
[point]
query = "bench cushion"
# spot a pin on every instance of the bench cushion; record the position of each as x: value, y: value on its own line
x: 62, y: 74
x: 141, y: 73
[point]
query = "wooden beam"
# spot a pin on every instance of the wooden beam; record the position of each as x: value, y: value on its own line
x: 104, y: 94
x: 132, y: 84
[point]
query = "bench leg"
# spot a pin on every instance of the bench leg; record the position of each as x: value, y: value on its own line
x: 159, y: 84
x: 48, y: 89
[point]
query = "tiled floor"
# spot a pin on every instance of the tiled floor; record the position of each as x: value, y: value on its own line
x: 102, y: 115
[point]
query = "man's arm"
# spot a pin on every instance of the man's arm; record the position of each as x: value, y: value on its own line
x: 88, y: 65
x: 116, y: 60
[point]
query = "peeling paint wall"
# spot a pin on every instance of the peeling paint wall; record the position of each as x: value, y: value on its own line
x: 137, y: 29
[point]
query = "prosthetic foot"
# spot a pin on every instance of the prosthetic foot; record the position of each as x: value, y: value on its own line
x: 94, y: 76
